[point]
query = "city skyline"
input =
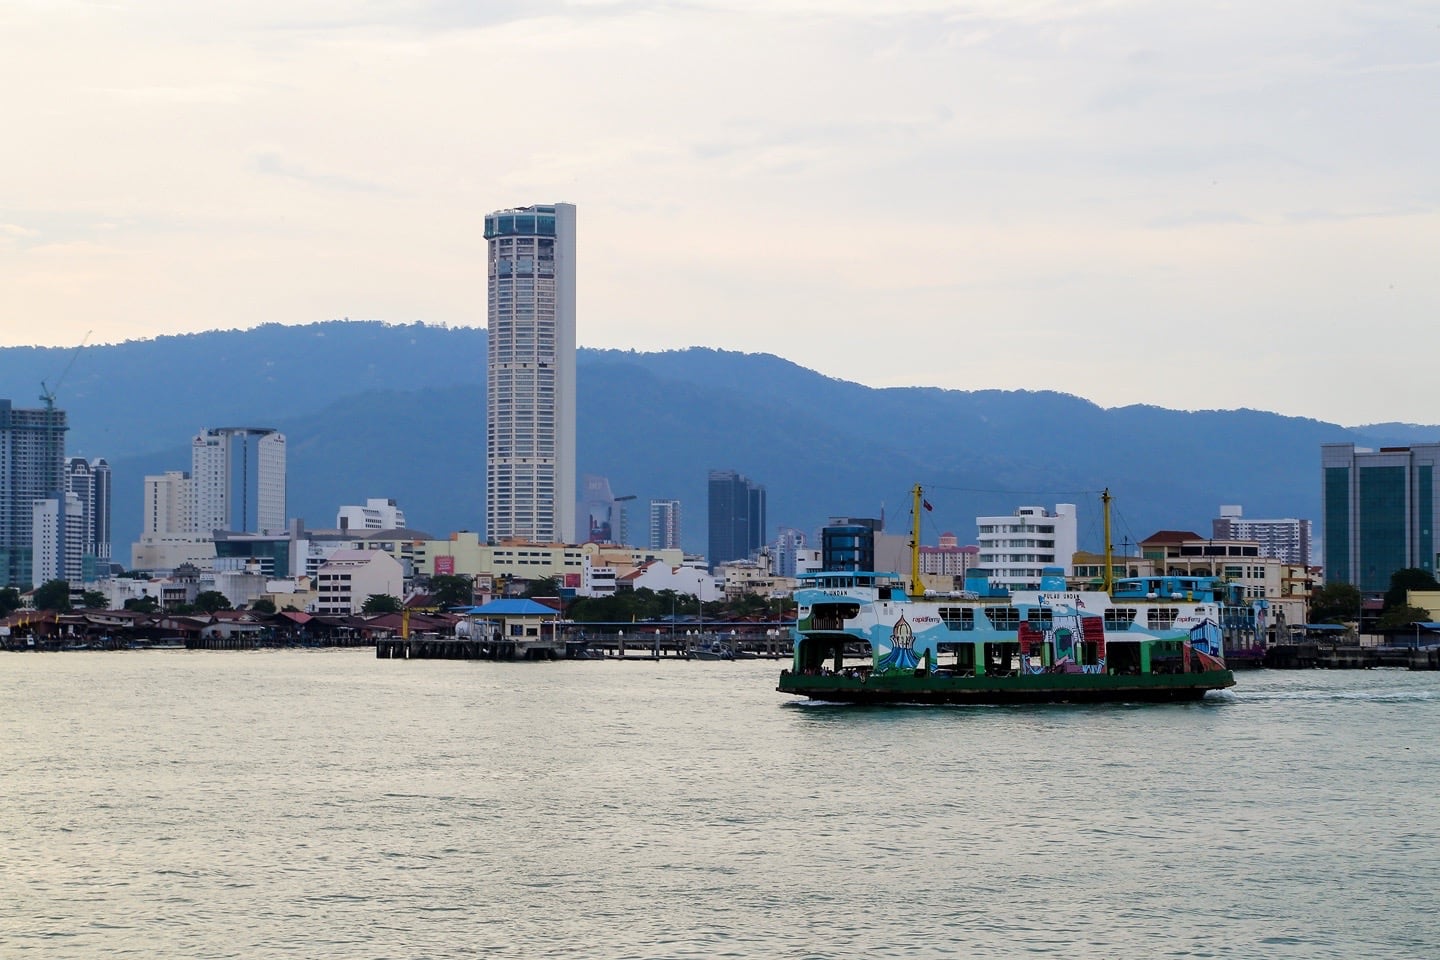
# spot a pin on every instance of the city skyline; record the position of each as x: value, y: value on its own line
x: 1099, y: 183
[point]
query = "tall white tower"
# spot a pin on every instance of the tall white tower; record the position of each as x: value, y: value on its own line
x: 530, y: 395
x: 220, y: 480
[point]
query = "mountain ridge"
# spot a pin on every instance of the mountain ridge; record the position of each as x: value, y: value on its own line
x: 373, y: 409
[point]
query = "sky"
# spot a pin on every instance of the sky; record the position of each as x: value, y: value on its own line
x: 1198, y: 206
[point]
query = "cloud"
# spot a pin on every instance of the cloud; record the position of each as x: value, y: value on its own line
x: 274, y: 163
x: 829, y: 180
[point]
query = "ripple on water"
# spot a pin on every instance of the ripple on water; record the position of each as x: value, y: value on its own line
x: 332, y: 805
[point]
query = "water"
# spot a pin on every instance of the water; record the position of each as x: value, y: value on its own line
x: 324, y: 804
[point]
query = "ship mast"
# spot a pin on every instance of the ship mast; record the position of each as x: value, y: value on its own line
x: 1109, y: 580
x: 916, y: 588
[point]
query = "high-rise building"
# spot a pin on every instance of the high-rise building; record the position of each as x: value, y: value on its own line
x: 1381, y: 508
x: 32, y: 467
x: 57, y: 557
x: 788, y: 544
x: 598, y: 510
x: 530, y: 394
x: 737, y: 517
x: 90, y: 481
x: 221, y: 480
x: 1287, y: 540
x: 948, y: 558
x: 664, y: 524
x: 168, y: 502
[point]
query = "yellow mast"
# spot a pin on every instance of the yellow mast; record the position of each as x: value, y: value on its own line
x: 916, y: 588
x: 1109, y: 547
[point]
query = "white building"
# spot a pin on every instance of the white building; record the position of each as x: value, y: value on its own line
x: 757, y: 576
x: 597, y: 580
x: 664, y: 524
x: 789, y: 543
x: 350, y: 577
x: 220, y: 466
x: 1014, y: 549
x: 241, y: 587
x: 530, y: 401
x: 167, y: 536
x: 685, y: 580
x: 168, y: 501
x: 378, y: 513
x: 46, y: 543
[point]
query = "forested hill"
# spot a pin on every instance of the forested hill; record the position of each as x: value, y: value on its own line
x: 377, y: 410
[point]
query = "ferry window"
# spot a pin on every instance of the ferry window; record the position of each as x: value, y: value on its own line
x: 1004, y: 618
x: 1119, y: 618
x: 1161, y: 618
x: 1041, y: 616
x: 958, y: 618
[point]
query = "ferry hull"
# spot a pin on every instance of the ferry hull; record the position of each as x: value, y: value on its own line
x: 1039, y: 688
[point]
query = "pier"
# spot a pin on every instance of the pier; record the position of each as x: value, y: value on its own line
x: 468, y: 648
x: 1340, y: 656
x: 606, y: 646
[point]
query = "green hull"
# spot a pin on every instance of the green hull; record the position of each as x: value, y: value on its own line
x: 1032, y: 688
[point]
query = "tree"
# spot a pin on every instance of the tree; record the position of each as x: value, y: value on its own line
x: 548, y: 587
x: 211, y: 600
x: 9, y: 601
x: 451, y: 590
x: 93, y: 600
x: 1402, y: 616
x: 1335, y: 602
x: 263, y: 605
x: 54, y: 595
x: 1403, y: 581
x: 142, y: 604
x: 381, y: 603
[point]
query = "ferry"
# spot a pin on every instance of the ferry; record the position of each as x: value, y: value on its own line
x: 868, y: 637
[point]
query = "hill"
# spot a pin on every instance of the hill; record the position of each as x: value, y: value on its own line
x: 373, y: 409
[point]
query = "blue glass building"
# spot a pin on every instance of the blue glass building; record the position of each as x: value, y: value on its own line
x: 1379, y: 512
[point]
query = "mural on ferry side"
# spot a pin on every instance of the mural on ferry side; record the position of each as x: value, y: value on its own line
x: 900, y: 656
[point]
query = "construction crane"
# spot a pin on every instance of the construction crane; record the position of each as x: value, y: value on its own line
x: 47, y: 395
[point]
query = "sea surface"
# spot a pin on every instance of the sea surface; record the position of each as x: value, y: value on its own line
x: 325, y: 804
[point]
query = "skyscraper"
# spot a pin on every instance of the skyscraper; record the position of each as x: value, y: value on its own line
x: 737, y: 517
x: 220, y: 480
x: 32, y: 467
x: 1381, y: 508
x: 664, y: 524
x: 530, y: 394
x: 598, y: 511
x: 89, y: 480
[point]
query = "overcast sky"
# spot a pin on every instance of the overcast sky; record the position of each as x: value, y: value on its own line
x: 1190, y: 205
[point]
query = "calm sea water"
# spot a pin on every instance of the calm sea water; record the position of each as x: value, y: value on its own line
x: 329, y: 805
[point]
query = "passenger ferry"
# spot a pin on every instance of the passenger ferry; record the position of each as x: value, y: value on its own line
x: 865, y: 637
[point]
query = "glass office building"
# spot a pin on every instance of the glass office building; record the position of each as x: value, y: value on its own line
x: 1379, y: 512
